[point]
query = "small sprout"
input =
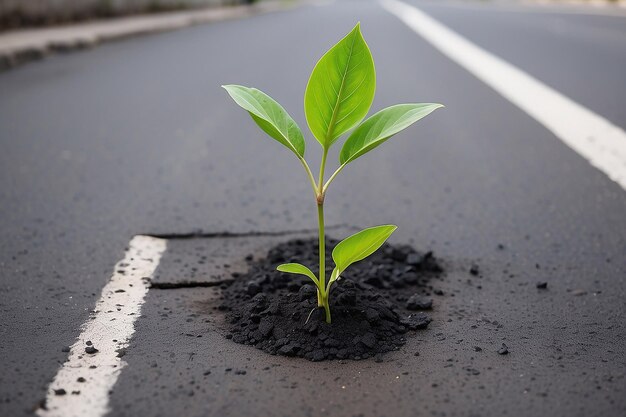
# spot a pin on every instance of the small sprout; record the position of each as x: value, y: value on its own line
x: 338, y: 96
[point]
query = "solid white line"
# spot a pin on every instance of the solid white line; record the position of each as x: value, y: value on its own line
x: 596, y: 139
x: 87, y: 378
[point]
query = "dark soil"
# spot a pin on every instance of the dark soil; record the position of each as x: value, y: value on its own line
x: 373, y: 306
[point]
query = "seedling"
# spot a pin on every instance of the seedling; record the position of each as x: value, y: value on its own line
x: 338, y: 96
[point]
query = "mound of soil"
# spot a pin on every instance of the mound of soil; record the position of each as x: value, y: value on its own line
x: 372, y: 306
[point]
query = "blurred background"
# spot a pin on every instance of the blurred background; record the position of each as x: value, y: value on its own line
x: 24, y: 13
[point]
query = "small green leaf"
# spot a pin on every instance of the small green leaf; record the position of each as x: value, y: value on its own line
x: 300, y: 269
x: 270, y: 116
x: 341, y: 88
x: 334, y: 276
x: 381, y: 126
x: 360, y: 246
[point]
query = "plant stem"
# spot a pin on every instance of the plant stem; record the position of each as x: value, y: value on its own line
x: 332, y: 177
x: 322, y: 254
x: 322, y: 299
x: 322, y: 294
x: 322, y: 168
x: 327, y: 309
x: 310, y: 175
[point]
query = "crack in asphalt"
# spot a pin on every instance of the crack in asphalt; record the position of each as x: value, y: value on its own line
x: 189, y: 284
x: 221, y: 235
x: 212, y: 235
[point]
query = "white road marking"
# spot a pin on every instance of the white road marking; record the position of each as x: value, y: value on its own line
x: 596, y: 139
x: 87, y: 378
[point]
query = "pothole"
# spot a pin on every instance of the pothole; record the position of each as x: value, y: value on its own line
x: 375, y: 307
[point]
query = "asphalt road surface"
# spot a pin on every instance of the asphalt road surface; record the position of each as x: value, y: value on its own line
x: 137, y: 137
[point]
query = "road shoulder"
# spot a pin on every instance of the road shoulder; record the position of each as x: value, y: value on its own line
x: 20, y: 46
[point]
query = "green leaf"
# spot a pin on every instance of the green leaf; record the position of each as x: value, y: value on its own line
x: 360, y: 246
x: 300, y: 269
x: 381, y: 126
x: 270, y: 116
x: 334, y: 276
x: 341, y: 88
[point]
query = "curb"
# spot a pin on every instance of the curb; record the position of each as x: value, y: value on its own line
x: 22, y: 46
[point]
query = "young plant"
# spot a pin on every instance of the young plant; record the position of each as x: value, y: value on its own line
x: 338, y: 96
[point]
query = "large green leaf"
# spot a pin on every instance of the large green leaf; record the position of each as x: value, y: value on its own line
x: 295, y: 268
x: 381, y: 126
x: 341, y: 88
x: 270, y: 116
x: 360, y: 246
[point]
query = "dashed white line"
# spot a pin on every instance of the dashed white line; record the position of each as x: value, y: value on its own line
x: 596, y: 139
x: 81, y: 386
